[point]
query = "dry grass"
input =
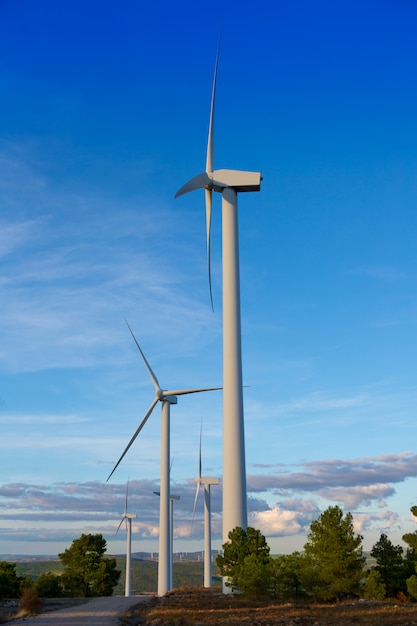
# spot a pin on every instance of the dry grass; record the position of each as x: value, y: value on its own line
x: 201, y: 607
x: 30, y: 603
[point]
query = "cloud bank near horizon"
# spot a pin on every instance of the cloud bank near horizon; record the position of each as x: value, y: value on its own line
x: 56, y: 512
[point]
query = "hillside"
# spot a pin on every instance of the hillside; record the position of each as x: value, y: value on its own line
x: 144, y: 573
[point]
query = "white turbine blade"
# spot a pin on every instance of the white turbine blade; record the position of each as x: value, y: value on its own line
x: 118, y: 528
x: 127, y: 488
x: 195, y: 504
x: 148, y: 367
x: 209, y: 194
x: 141, y: 425
x: 202, y: 181
x: 198, y: 481
x: 184, y: 392
x: 199, y: 453
x: 210, y: 141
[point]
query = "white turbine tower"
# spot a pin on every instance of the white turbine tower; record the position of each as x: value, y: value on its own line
x: 127, y: 517
x: 172, y: 499
x: 166, y: 398
x: 229, y: 183
x: 206, y: 481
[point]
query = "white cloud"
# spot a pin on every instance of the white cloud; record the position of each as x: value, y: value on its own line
x: 384, y: 522
x: 287, y: 518
x: 369, y: 472
x: 352, y: 497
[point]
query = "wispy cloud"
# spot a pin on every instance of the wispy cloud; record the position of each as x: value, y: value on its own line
x: 38, y: 420
x: 353, y: 482
x: 382, y: 272
x: 322, y: 401
x: 13, y: 236
x: 86, y: 260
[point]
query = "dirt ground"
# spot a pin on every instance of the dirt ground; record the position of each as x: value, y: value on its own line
x: 9, y: 610
x: 200, y: 607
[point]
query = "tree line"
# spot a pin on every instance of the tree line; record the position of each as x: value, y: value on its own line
x: 87, y: 573
x: 331, y: 567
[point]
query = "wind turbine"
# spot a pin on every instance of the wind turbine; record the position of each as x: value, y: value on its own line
x: 206, y: 481
x: 172, y: 499
x: 128, y: 519
x: 229, y: 183
x: 166, y: 398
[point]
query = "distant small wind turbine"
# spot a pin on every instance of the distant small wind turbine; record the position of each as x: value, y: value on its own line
x: 127, y: 517
x: 229, y: 183
x: 166, y: 398
x: 172, y: 499
x: 207, y: 482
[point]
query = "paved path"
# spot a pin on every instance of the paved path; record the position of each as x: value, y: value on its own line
x: 97, y: 612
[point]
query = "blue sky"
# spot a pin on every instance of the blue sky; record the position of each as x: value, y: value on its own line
x: 103, y: 116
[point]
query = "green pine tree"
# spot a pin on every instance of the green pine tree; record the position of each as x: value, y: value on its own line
x: 87, y: 572
x: 334, y: 558
x: 246, y: 563
x: 389, y: 559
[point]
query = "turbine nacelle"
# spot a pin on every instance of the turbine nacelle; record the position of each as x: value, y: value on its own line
x: 208, y: 480
x: 218, y: 180
x: 239, y: 180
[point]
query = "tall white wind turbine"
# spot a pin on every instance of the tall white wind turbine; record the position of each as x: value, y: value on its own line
x: 207, y: 482
x: 166, y: 398
x: 127, y: 517
x: 229, y: 183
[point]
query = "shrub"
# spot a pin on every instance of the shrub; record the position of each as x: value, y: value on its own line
x: 374, y: 588
x: 48, y: 585
x: 29, y: 601
x: 402, y: 597
x: 9, y: 581
x: 412, y: 586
